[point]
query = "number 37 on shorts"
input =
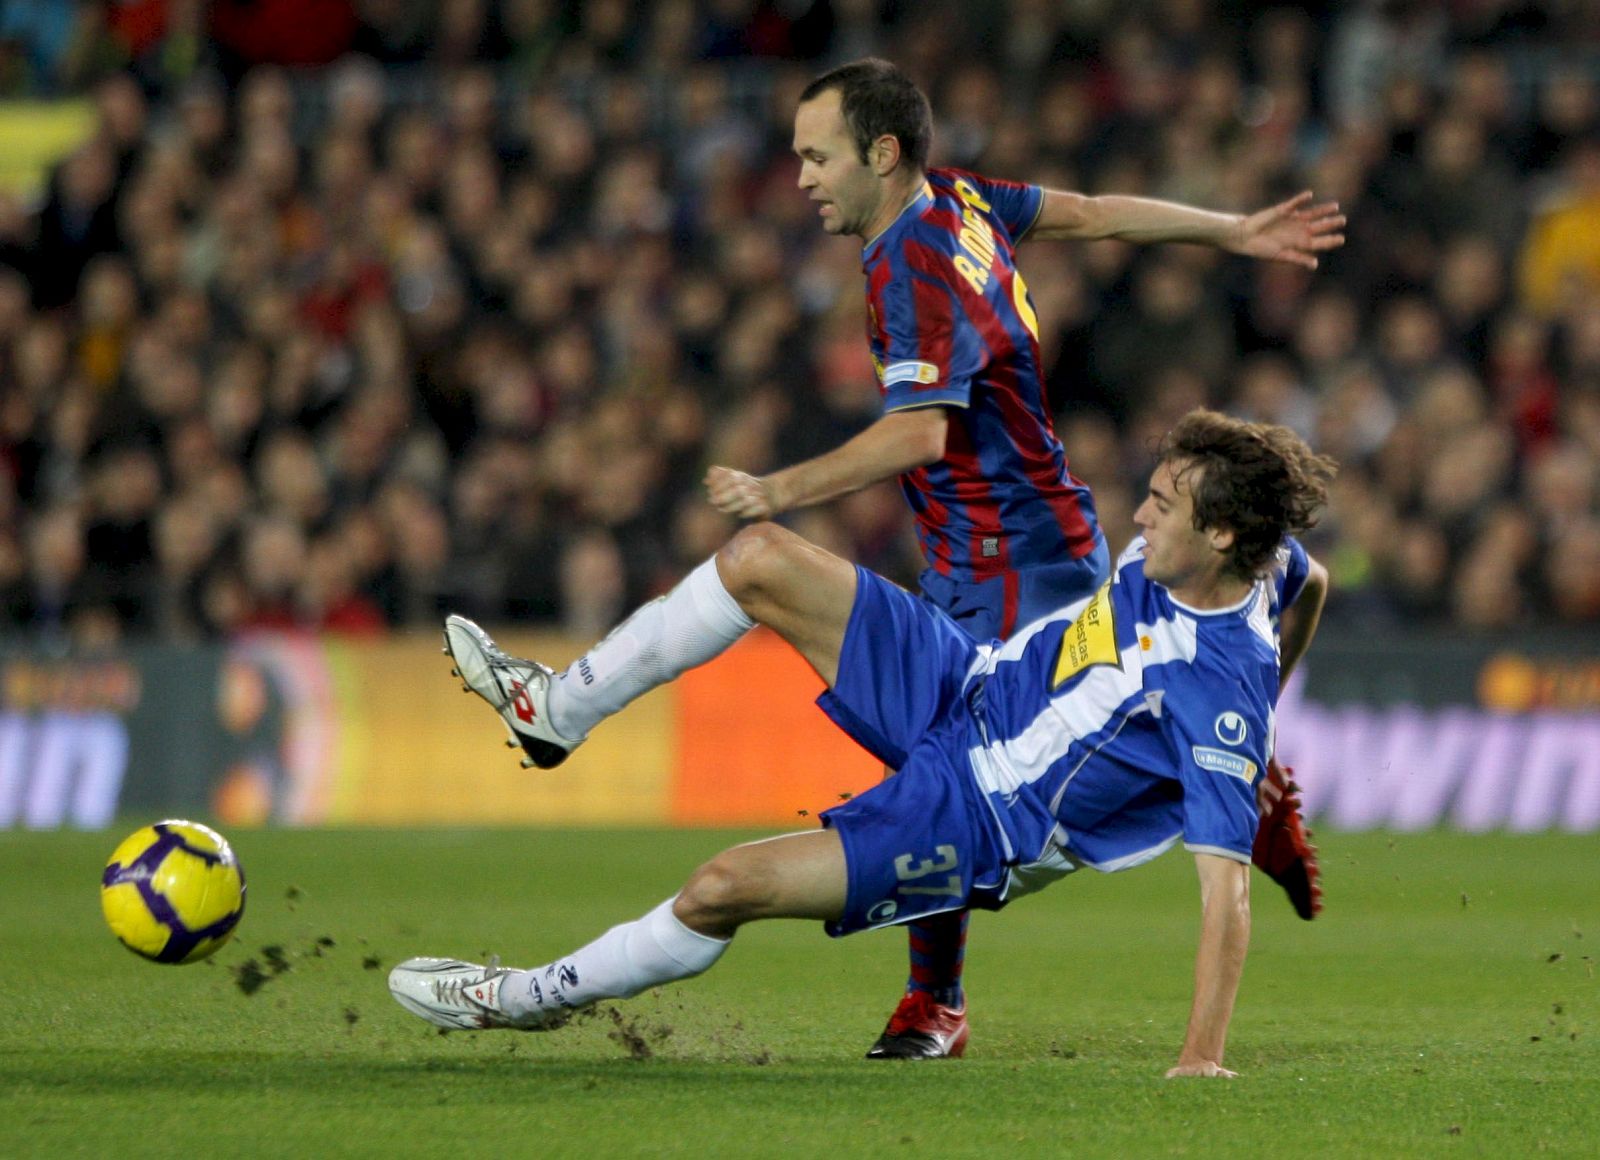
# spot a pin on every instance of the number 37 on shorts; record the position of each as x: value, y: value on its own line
x: 937, y: 876
x: 923, y: 886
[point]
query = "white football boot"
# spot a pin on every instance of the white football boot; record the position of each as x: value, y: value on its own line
x: 461, y: 996
x: 517, y: 689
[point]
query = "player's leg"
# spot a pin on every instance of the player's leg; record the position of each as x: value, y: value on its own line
x: 795, y: 876
x: 930, y: 1021
x: 763, y: 575
x: 914, y: 845
x: 932, y: 1013
x: 802, y: 592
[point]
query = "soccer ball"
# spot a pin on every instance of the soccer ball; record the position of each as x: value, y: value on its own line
x: 173, y: 892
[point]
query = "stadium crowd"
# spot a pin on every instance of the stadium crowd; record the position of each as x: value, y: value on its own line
x: 347, y: 314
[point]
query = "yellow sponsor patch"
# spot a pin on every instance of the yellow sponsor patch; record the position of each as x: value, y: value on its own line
x: 1090, y: 640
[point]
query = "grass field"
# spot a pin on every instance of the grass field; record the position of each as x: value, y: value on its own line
x: 1445, y: 1004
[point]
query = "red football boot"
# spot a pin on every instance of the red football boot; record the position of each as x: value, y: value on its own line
x: 922, y: 1029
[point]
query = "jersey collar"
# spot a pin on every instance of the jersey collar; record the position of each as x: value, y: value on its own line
x: 920, y: 201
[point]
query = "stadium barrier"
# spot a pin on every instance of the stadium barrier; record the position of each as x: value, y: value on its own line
x: 305, y: 731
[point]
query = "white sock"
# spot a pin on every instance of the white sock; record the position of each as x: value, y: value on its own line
x: 688, y: 626
x: 619, y: 964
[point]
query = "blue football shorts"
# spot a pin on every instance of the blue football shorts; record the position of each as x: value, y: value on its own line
x: 922, y: 841
x: 994, y: 608
x: 902, y: 665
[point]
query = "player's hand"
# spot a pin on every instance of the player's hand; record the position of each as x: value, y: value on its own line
x: 739, y: 494
x: 1272, y: 789
x: 1204, y: 1068
x: 1293, y: 231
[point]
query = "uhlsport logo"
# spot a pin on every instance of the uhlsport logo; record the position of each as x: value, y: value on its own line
x: 1231, y: 728
x: 883, y: 911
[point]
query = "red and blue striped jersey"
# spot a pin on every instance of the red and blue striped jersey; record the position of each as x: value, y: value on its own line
x: 951, y: 324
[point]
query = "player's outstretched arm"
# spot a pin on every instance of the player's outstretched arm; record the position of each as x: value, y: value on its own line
x: 900, y: 441
x: 1219, y: 962
x: 1293, y: 231
x: 1298, y: 623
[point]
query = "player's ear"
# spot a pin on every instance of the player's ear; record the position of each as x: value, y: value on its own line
x: 884, y: 154
x: 1221, y: 539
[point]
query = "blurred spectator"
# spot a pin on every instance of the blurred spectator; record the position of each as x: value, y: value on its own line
x: 1561, y: 257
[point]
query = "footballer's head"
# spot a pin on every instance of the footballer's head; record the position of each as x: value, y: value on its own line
x: 862, y: 133
x: 1240, y: 488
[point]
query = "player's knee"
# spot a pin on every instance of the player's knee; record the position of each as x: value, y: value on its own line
x: 752, y: 564
x: 719, y: 897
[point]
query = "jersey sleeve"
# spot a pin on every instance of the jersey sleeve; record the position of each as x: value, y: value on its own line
x: 1220, y: 746
x: 1015, y: 206
x: 1296, y: 566
x: 932, y: 351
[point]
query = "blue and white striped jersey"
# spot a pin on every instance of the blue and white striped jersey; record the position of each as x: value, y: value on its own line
x: 1106, y: 731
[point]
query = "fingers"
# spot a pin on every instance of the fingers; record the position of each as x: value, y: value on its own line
x: 1328, y: 210
x: 1292, y: 205
x: 737, y: 494
x: 1268, y: 795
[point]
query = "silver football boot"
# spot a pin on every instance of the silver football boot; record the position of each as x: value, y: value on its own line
x: 517, y: 689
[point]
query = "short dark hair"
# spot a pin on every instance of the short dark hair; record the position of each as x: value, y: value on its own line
x: 1258, y: 480
x: 876, y: 98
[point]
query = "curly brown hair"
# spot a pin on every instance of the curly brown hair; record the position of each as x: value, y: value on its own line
x: 1258, y: 480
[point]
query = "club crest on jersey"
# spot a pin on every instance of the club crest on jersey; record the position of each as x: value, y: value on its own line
x: 1231, y: 728
x: 1091, y: 639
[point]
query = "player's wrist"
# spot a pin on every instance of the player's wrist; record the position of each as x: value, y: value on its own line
x: 1235, y: 233
x: 773, y: 491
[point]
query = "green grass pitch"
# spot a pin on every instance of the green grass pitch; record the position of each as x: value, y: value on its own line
x: 1445, y: 1004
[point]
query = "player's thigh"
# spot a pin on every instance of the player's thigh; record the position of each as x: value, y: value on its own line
x: 790, y: 876
x: 800, y: 591
x: 916, y: 845
x: 903, y: 666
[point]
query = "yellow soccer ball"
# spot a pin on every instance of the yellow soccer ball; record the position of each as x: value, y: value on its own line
x: 173, y: 892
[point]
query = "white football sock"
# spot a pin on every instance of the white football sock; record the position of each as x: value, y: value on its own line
x: 688, y: 626
x: 619, y: 964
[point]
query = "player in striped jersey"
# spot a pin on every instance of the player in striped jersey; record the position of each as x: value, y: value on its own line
x: 1007, y: 532
x: 1097, y: 736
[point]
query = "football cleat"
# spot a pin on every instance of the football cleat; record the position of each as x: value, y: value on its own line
x: 517, y: 689
x: 922, y: 1029
x: 459, y: 996
x: 1283, y: 848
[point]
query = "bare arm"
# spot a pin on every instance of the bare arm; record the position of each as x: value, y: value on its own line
x: 900, y: 441
x: 1298, y: 623
x: 1224, y: 939
x: 1292, y: 231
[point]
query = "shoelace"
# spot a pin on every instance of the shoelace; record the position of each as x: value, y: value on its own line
x: 920, y: 1014
x: 454, y: 991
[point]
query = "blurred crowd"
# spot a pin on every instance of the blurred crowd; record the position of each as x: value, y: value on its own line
x: 348, y: 313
